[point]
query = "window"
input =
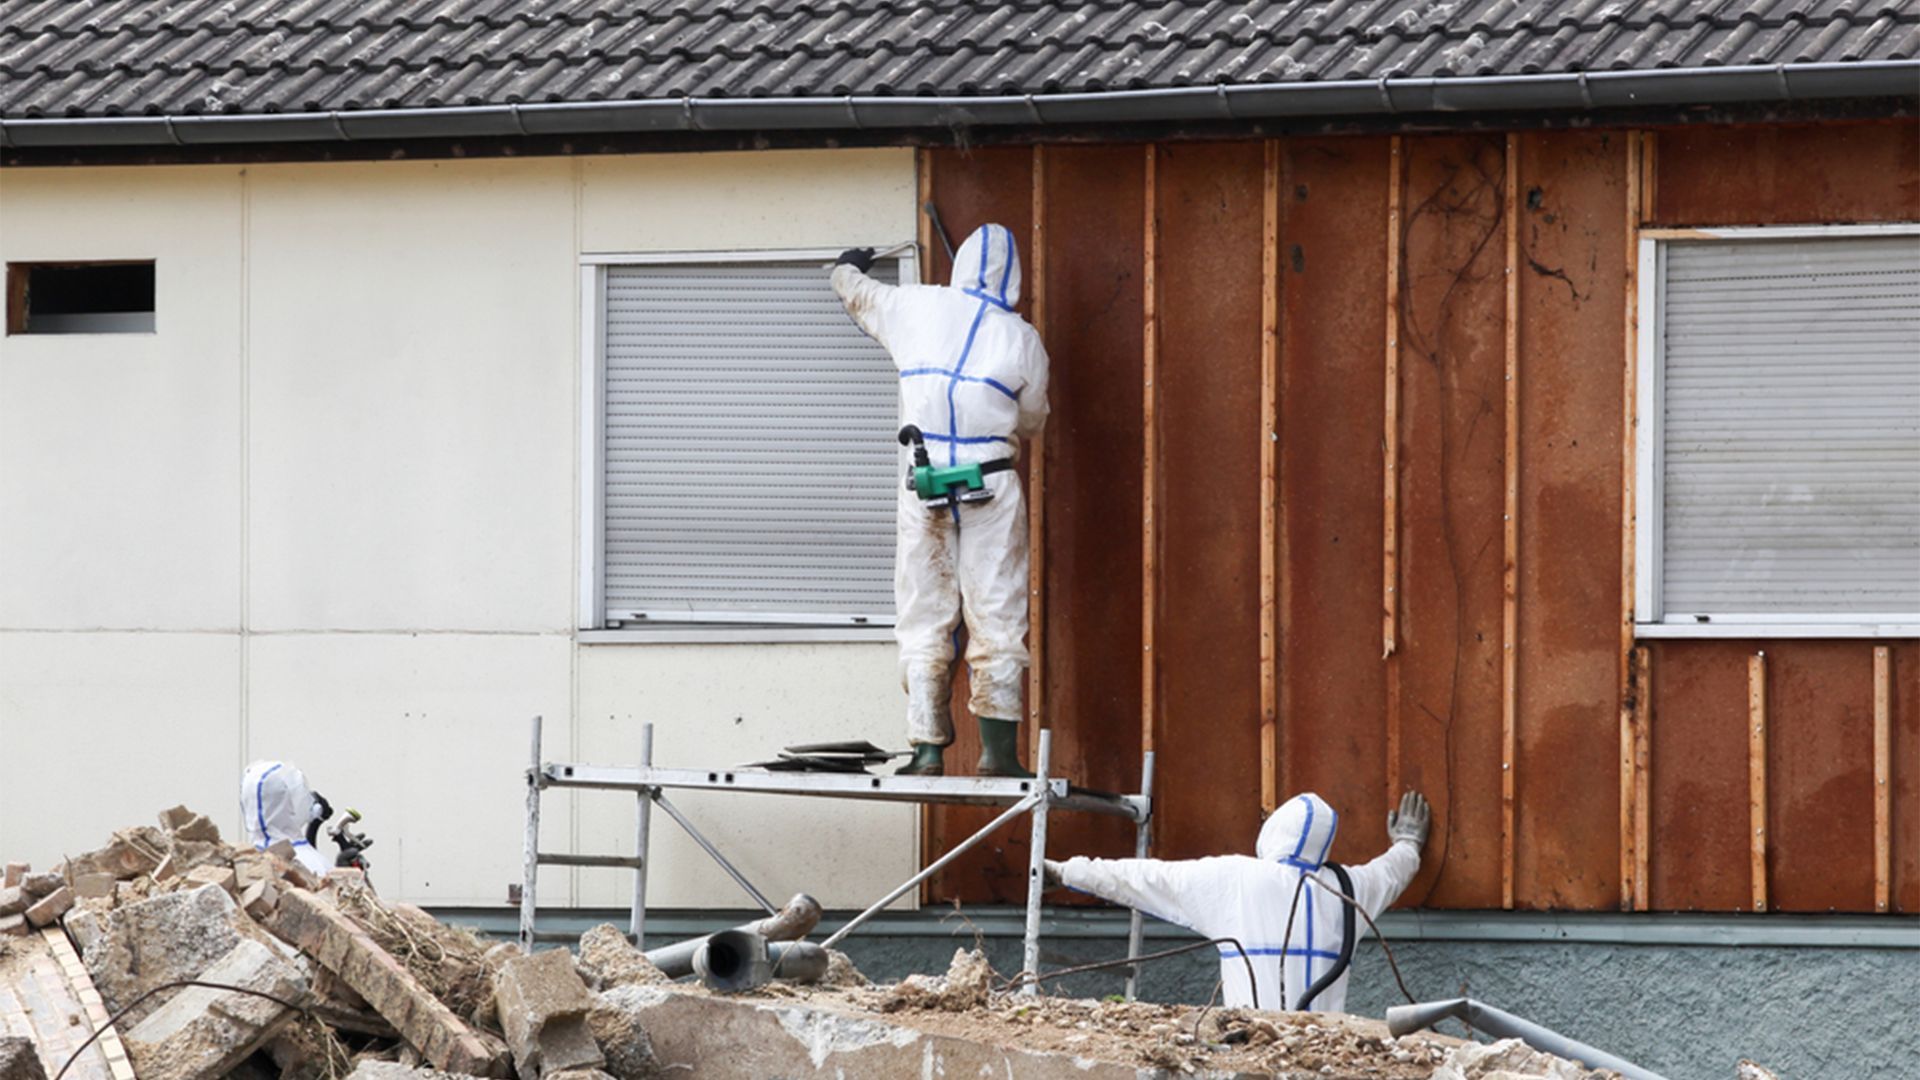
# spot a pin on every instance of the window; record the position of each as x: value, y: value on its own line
x: 1779, y: 438
x: 742, y: 467
x: 80, y: 298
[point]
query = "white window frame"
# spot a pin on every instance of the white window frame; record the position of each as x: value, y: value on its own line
x: 1651, y: 620
x: 678, y: 627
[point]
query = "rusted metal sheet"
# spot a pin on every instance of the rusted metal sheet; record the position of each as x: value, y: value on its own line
x: 1207, y: 635
x: 1905, y: 703
x: 973, y: 188
x: 1333, y: 258
x: 1801, y: 174
x: 1451, y: 498
x: 1571, y: 205
x: 1820, y: 775
x: 1699, y: 856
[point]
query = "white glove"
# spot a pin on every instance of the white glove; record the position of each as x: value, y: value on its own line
x: 1410, y: 822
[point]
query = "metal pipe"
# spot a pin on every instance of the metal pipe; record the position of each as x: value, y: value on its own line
x: 790, y: 923
x: 530, y: 857
x: 1036, y: 867
x: 1136, y: 923
x: 707, y: 846
x: 642, y: 838
x: 934, y: 867
x: 1402, y: 1019
x: 733, y: 961
x: 1349, y: 97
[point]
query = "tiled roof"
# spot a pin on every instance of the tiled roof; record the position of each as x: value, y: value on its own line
x: 97, y: 58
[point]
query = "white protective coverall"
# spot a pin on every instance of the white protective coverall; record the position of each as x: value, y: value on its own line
x: 973, y: 379
x: 1246, y: 898
x: 276, y: 804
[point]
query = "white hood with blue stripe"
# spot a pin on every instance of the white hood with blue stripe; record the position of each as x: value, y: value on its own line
x: 276, y: 804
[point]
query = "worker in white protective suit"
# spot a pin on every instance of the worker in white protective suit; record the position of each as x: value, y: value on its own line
x: 1249, y: 899
x: 276, y: 804
x: 973, y: 381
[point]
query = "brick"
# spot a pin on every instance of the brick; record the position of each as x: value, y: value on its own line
x: 328, y: 936
x: 91, y: 885
x: 13, y: 925
x: 16, y: 871
x: 51, y: 907
x: 14, y: 900
x: 282, y: 850
x: 248, y: 869
x: 198, y: 828
x: 212, y: 875
x: 260, y: 899
x: 39, y: 885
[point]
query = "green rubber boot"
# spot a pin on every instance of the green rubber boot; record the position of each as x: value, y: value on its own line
x: 1000, y: 749
x: 927, y: 761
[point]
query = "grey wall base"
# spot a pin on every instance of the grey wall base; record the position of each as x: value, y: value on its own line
x: 1805, y: 1008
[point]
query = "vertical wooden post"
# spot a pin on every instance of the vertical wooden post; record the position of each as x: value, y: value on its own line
x: 1510, y: 581
x: 1629, y: 859
x: 1649, y: 176
x: 1149, y: 553
x: 1390, y: 480
x: 1642, y: 774
x: 1037, y: 479
x: 1882, y: 778
x: 1269, y: 477
x: 1757, y: 773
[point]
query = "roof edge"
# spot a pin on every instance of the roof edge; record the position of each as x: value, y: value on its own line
x: 1263, y: 101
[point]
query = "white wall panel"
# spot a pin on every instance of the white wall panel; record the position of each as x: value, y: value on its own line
x: 427, y: 735
x: 101, y: 731
x: 413, y: 396
x: 726, y: 704
x: 120, y: 453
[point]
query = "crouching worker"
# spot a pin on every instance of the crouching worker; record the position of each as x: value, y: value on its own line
x: 276, y: 804
x: 1248, y: 899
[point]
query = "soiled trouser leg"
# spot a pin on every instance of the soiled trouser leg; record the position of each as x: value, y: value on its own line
x: 926, y: 593
x: 993, y: 588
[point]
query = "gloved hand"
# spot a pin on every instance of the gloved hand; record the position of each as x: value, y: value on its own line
x: 1410, y: 822
x: 860, y: 259
x: 1050, y: 873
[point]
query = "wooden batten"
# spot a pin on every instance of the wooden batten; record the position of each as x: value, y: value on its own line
x: 1149, y: 547
x: 1642, y: 774
x: 1882, y: 778
x: 1269, y: 478
x: 1390, y: 480
x: 1037, y: 478
x: 1757, y: 774
x: 1509, y: 589
x: 1629, y: 694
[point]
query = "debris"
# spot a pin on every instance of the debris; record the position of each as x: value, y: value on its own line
x: 13, y: 925
x: 50, y: 907
x: 616, y: 1027
x: 1750, y: 1070
x: 212, y: 875
x: 19, y: 1060
x: 39, y: 885
x: 168, y: 938
x: 608, y: 960
x: 15, y: 871
x: 375, y: 1069
x: 14, y: 900
x: 1508, y: 1059
x: 343, y: 948
x: 202, y: 1033
x: 964, y: 986
x: 94, y: 886
x: 130, y: 853
x: 543, y: 1010
x: 841, y: 972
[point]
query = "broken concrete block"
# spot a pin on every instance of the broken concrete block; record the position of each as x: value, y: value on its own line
x: 51, y: 906
x: 252, y: 867
x: 543, y: 1011
x: 88, y: 886
x: 260, y: 899
x: 15, y: 872
x: 174, y: 817
x: 346, y: 950
x: 170, y: 937
x: 13, y: 925
x: 212, y: 875
x: 197, y: 827
x: 608, y: 960
x: 19, y: 1060
x: 39, y: 885
x: 202, y: 1033
x: 14, y: 900
x: 85, y: 925
x: 615, y: 1024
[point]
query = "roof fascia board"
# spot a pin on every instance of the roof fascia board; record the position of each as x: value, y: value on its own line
x: 1616, y: 89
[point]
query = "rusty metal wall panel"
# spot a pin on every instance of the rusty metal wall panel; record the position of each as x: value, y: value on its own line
x: 1798, y: 174
x: 1452, y: 477
x: 1572, y: 210
x: 1699, y: 850
x: 972, y: 188
x: 1905, y: 706
x: 1820, y: 775
x: 1096, y: 214
x: 1333, y: 259
x: 1207, y: 606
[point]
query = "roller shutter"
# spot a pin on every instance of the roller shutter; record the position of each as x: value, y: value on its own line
x: 1790, y: 440
x: 749, y: 450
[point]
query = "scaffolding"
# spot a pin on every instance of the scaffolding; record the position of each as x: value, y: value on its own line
x: 1036, y: 797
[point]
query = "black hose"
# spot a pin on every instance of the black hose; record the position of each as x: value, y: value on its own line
x: 1253, y: 985
x: 1347, y: 936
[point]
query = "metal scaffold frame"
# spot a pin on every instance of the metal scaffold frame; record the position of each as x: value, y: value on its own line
x: 1037, y: 798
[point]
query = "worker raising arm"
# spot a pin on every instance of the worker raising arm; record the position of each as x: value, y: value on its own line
x: 973, y: 381
x: 1249, y: 899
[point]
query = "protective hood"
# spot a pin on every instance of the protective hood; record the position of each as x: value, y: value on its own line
x: 1300, y: 833
x: 275, y: 804
x: 988, y: 266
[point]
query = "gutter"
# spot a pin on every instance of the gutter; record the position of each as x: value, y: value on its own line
x: 1427, y: 95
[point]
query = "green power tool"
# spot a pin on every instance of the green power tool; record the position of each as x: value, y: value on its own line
x: 943, y: 486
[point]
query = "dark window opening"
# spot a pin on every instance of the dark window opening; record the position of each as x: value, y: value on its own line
x: 80, y: 298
